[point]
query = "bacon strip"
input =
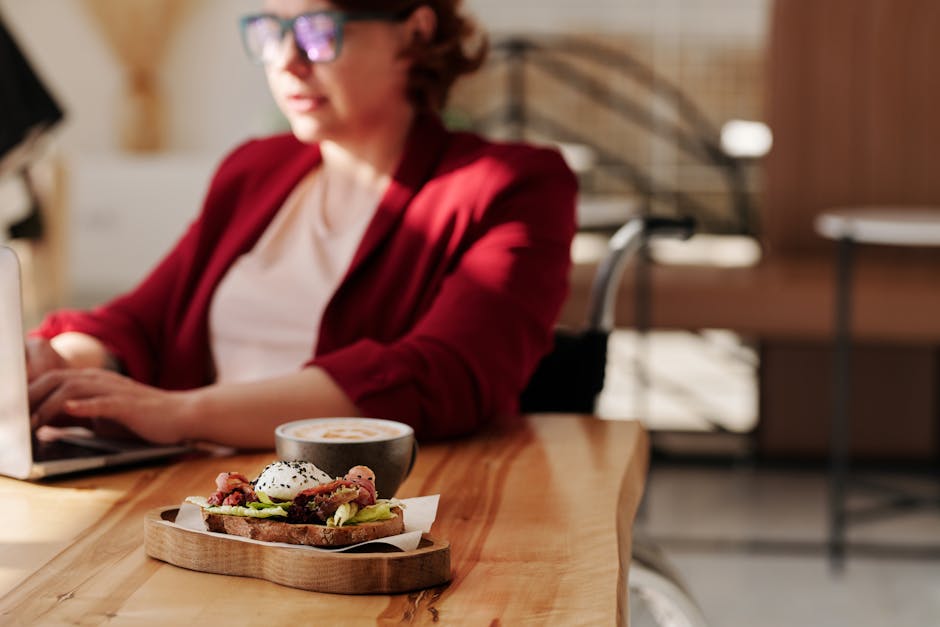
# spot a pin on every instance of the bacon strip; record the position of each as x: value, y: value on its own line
x: 363, y: 477
x: 233, y: 489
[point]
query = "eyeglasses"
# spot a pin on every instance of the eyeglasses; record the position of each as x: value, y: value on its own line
x: 318, y: 35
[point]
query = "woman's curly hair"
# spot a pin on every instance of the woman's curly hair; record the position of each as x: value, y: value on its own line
x: 458, y: 47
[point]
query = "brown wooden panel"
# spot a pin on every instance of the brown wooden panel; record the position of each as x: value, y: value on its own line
x: 894, y: 410
x: 853, y: 89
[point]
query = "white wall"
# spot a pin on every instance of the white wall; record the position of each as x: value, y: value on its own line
x: 721, y: 18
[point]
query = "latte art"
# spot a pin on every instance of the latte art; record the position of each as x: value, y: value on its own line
x: 347, y: 431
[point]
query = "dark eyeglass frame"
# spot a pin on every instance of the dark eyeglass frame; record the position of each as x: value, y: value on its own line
x: 340, y: 18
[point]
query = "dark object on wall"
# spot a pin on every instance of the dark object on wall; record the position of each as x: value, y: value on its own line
x: 31, y: 226
x: 26, y: 106
x: 27, y: 112
x: 27, y: 109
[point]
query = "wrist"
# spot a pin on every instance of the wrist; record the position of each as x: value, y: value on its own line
x: 193, y: 410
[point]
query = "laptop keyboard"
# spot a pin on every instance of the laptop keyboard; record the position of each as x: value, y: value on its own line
x: 57, y: 449
x: 72, y: 447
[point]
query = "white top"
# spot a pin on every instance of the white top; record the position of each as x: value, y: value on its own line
x: 908, y: 226
x: 264, y: 319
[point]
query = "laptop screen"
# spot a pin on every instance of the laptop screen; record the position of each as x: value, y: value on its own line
x: 15, y: 445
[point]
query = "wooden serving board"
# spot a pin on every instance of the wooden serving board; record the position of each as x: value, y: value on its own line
x: 379, y: 571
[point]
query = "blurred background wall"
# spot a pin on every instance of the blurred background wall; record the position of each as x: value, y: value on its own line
x: 124, y: 208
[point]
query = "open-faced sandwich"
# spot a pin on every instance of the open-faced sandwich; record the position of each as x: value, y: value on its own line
x: 297, y: 503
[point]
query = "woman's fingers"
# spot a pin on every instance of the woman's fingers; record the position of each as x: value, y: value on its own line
x: 111, y: 406
x: 42, y: 411
x: 95, y: 395
x: 49, y: 393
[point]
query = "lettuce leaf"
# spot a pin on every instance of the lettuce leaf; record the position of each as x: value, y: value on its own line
x: 264, y: 501
x: 346, y: 514
x: 382, y: 510
x: 351, y: 514
x: 343, y: 514
x: 263, y: 498
x: 266, y: 511
x: 256, y: 505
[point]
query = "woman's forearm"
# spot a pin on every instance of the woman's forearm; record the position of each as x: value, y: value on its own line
x: 244, y: 415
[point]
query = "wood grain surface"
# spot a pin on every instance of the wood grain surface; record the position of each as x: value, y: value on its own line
x: 538, y: 519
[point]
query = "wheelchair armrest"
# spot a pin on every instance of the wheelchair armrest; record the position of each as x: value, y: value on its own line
x: 627, y: 241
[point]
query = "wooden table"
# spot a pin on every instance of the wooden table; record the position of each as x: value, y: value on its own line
x: 539, y: 519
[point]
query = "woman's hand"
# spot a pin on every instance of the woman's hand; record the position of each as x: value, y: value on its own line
x: 155, y: 415
x: 41, y: 358
x: 242, y: 415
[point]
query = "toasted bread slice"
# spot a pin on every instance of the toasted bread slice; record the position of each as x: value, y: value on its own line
x: 269, y: 530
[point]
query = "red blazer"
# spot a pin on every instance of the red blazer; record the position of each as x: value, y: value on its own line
x: 447, y: 307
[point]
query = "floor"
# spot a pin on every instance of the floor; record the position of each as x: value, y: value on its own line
x: 748, y: 539
x: 749, y: 544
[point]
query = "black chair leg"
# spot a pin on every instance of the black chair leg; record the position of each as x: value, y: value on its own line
x: 839, y: 444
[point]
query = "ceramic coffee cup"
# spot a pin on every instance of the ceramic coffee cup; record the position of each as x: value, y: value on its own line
x: 335, y: 445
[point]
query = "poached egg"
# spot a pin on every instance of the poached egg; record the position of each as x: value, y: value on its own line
x: 284, y: 480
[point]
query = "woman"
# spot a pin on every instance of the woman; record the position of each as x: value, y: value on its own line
x: 370, y: 263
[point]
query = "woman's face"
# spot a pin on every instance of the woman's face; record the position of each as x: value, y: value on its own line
x: 343, y: 99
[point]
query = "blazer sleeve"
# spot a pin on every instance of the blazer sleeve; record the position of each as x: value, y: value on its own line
x: 132, y: 325
x: 129, y: 326
x: 470, y: 355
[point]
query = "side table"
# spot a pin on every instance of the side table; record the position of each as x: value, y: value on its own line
x: 885, y: 226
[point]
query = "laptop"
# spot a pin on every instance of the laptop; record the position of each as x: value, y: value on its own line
x: 22, y: 455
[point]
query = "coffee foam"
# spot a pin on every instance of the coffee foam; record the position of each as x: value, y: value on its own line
x: 346, y: 430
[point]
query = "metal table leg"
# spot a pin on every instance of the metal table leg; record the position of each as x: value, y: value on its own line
x: 839, y: 443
